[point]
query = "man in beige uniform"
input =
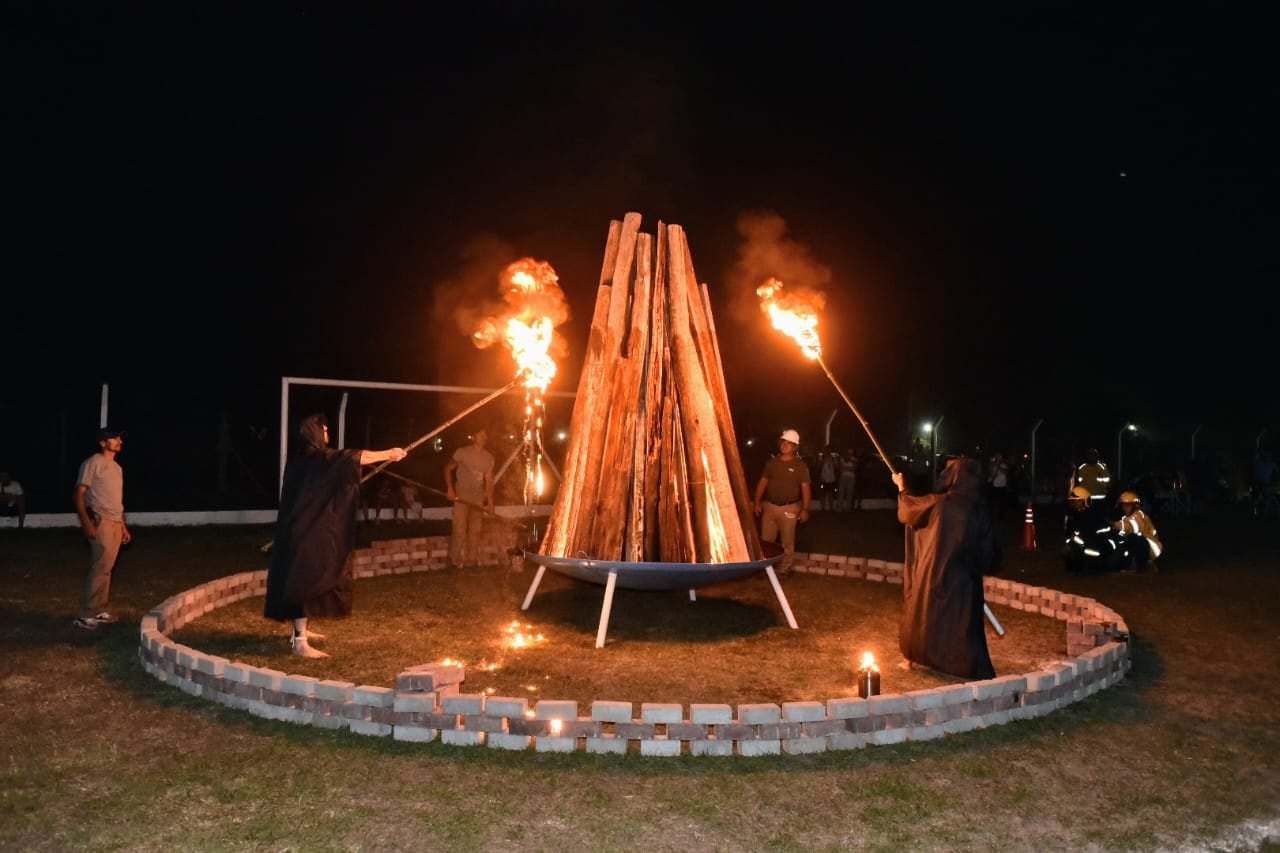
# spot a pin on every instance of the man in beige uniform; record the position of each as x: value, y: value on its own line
x: 783, y: 496
x: 468, y: 479
x: 99, y: 501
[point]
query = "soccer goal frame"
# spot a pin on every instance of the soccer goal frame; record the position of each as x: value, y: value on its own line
x: 344, y: 385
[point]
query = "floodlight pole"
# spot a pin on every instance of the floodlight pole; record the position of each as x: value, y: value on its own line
x: 1033, y: 459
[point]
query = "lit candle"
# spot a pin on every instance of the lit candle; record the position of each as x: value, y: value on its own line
x: 868, y: 676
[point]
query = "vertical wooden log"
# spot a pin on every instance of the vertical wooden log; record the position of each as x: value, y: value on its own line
x: 726, y: 538
x: 657, y: 388
x: 709, y: 353
x: 566, y: 510
x: 690, y: 390
x: 584, y: 539
x: 638, y: 352
x: 678, y: 540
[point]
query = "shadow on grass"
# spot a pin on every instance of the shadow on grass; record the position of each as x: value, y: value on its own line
x: 710, y: 618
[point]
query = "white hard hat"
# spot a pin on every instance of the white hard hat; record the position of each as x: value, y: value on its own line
x: 791, y: 436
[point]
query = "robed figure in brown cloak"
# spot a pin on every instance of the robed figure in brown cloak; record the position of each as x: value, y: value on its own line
x: 950, y: 545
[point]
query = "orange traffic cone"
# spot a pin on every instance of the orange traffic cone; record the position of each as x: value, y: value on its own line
x: 1029, y: 528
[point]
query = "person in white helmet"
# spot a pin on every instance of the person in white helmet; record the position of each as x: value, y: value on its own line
x: 782, y: 499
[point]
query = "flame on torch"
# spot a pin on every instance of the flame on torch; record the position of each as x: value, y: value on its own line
x: 794, y: 314
x: 531, y: 290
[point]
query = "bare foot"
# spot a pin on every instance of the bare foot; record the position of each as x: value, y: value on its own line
x: 314, y: 635
x: 302, y: 649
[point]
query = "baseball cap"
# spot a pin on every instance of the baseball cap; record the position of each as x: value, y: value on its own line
x: 108, y: 432
x: 790, y: 435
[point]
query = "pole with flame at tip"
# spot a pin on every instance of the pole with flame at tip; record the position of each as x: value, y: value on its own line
x: 444, y: 426
x: 267, y: 548
x: 884, y: 456
x: 797, y: 316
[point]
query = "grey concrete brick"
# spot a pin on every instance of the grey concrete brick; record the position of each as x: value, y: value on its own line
x: 710, y: 713
x: 662, y: 748
x: 606, y: 746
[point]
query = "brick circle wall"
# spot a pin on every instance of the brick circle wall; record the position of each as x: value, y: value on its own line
x: 427, y: 702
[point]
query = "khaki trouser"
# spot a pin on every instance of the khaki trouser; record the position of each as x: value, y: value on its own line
x: 103, y: 550
x: 778, y: 524
x: 464, y: 541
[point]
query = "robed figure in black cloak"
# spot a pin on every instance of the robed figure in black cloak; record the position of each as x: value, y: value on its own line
x: 311, y: 571
x: 950, y: 546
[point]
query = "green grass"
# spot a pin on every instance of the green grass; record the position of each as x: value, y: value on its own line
x: 97, y: 755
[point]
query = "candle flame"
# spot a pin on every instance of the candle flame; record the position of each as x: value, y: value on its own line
x: 869, y: 662
x: 793, y: 314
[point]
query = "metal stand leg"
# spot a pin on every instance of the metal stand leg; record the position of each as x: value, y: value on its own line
x: 782, y: 599
x: 604, y: 610
x: 533, y: 587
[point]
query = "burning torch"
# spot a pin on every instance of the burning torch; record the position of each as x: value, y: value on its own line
x: 797, y: 317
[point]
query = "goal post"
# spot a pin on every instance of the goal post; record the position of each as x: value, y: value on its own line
x: 345, y: 386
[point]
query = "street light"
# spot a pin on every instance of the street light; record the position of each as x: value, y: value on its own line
x: 934, y: 428
x: 1128, y: 427
x: 1033, y: 458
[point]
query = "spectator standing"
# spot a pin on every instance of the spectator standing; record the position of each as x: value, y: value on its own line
x: 12, y: 499
x: 828, y: 477
x: 99, y: 502
x: 998, y: 486
x: 950, y: 546
x: 782, y: 498
x: 468, y: 479
x: 311, y: 572
x: 410, y: 502
x: 848, y: 490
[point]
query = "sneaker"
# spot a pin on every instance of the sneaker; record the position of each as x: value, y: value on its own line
x: 88, y: 623
x: 106, y: 618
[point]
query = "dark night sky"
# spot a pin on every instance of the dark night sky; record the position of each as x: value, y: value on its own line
x: 1064, y: 213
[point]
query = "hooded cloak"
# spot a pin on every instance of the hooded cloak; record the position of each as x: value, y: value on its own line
x: 950, y: 546
x: 311, y: 571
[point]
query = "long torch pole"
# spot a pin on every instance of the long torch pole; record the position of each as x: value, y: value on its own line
x: 478, y: 507
x: 991, y: 617
x: 884, y: 456
x: 444, y: 426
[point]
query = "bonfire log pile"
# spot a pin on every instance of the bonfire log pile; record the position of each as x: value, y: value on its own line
x: 652, y: 471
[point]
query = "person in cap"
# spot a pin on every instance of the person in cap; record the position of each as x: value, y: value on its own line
x: 782, y: 498
x: 311, y: 572
x: 99, y: 502
x: 950, y: 545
